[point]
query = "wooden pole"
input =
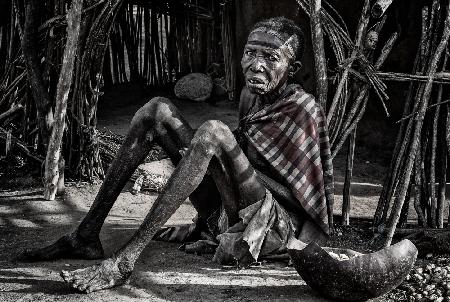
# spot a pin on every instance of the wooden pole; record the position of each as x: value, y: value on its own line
x: 405, y: 178
x: 380, y: 7
x: 52, y: 160
x: 404, y: 134
x: 362, y: 26
x: 348, y: 179
x: 30, y: 47
x: 320, y: 66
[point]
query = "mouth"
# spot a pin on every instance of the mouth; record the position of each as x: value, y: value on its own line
x: 255, y: 81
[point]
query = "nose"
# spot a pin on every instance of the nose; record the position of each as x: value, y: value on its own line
x: 257, y: 65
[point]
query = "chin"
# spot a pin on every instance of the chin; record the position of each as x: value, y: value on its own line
x: 257, y: 89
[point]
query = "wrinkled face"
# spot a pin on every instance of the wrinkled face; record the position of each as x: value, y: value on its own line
x: 267, y: 62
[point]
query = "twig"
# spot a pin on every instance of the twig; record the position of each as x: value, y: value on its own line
x: 10, y: 112
x: 15, y: 142
x: 415, y: 113
x: 439, y: 77
x: 363, y: 21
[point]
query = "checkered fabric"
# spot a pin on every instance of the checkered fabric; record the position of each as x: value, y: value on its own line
x: 292, y: 135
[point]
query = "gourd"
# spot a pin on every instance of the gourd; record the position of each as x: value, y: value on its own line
x: 358, y: 277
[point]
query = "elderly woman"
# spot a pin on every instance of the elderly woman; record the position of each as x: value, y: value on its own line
x: 256, y: 190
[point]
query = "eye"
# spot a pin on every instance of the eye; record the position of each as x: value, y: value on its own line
x: 249, y: 52
x: 272, y: 58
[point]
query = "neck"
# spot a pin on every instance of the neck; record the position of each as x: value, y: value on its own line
x: 273, y: 96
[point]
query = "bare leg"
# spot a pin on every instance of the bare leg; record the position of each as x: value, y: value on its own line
x: 158, y: 119
x: 212, y: 147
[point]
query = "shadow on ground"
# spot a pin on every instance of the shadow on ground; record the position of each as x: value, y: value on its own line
x: 163, y: 273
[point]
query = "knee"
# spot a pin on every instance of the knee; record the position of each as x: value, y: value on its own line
x: 213, y: 134
x: 154, y: 111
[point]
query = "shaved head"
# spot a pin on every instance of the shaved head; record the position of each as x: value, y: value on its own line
x: 284, y: 30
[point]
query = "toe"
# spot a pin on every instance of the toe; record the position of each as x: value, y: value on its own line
x: 99, y: 284
x: 77, y: 282
x: 82, y: 287
x: 67, y: 276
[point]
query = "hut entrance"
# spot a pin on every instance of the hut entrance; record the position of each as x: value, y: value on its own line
x: 156, y: 42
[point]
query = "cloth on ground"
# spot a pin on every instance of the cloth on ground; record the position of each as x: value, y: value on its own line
x: 263, y: 230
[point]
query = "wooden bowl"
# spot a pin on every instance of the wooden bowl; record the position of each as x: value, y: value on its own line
x: 362, y: 277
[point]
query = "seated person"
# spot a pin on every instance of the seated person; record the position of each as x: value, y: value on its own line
x: 256, y: 191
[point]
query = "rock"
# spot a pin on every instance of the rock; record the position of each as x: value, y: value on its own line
x: 194, y: 86
x: 155, y: 174
x: 163, y: 167
x: 430, y: 287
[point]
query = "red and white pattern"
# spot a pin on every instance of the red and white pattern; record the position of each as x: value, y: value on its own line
x: 292, y: 135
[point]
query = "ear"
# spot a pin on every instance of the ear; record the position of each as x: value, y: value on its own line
x: 294, y: 68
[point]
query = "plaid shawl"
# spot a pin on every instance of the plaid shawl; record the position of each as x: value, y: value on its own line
x: 292, y: 135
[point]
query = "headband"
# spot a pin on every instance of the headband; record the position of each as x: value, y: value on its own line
x: 290, y: 41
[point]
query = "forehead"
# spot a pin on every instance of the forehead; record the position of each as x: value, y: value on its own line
x: 264, y: 39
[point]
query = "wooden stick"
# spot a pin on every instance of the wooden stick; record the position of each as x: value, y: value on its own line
x: 402, y: 141
x: 10, y: 112
x: 348, y: 179
x: 404, y: 183
x: 418, y: 180
x: 30, y: 45
x: 442, y: 173
x: 362, y: 26
x: 405, y: 210
x: 320, y: 66
x: 52, y: 160
x: 380, y: 7
x: 15, y: 142
x: 436, y: 217
x: 410, y: 231
x: 357, y: 110
x: 439, y: 77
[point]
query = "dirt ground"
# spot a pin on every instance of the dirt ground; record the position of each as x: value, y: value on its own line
x: 163, y: 273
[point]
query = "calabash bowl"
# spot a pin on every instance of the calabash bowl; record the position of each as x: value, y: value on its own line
x: 362, y: 277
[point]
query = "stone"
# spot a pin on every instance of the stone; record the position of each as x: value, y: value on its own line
x: 194, y: 86
x: 163, y: 167
x: 155, y: 174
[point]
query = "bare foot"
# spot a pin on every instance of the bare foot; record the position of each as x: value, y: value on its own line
x: 69, y: 246
x: 109, y: 273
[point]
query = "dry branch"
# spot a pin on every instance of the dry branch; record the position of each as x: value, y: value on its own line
x: 30, y: 47
x: 320, y: 66
x: 10, y: 112
x: 418, y: 123
x: 53, y: 158
x: 15, y: 142
x: 440, y: 77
